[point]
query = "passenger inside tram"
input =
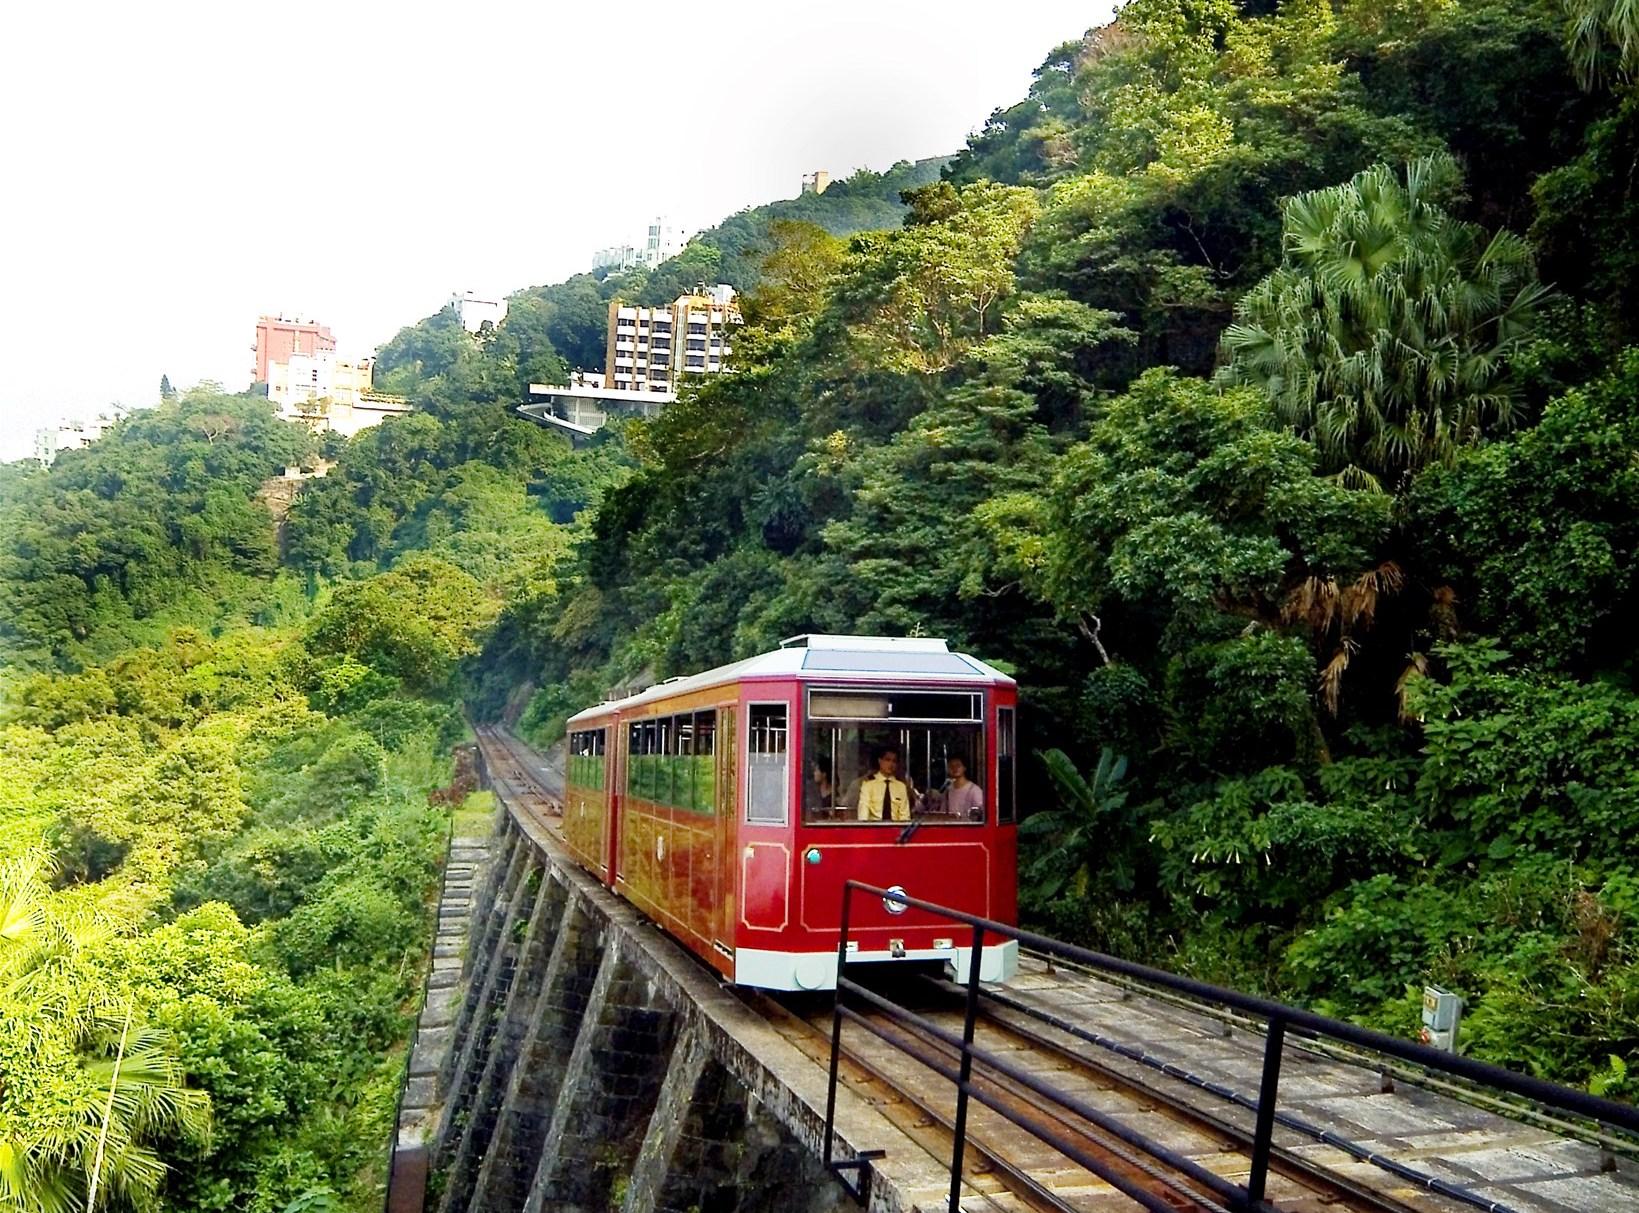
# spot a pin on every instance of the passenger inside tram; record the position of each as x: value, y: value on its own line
x: 960, y: 797
x: 868, y: 763
x: 817, y: 792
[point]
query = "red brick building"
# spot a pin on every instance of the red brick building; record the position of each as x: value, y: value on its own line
x: 277, y: 339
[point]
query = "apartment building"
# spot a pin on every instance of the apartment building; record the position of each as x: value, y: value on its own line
x: 74, y: 435
x: 660, y: 243
x: 296, y: 363
x: 651, y: 348
x: 278, y: 338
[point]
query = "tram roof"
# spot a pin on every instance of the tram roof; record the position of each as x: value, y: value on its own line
x: 812, y: 658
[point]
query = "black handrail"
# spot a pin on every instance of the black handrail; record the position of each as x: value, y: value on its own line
x: 1278, y: 1017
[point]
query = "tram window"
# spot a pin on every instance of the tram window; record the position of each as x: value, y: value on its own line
x: 705, y: 770
x: 839, y: 759
x: 680, y: 762
x: 643, y: 774
x: 767, y: 757
x: 586, y: 761
x: 1007, y: 775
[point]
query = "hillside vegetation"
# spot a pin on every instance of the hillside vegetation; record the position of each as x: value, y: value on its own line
x: 216, y: 841
x: 1261, y: 390
x: 550, y: 330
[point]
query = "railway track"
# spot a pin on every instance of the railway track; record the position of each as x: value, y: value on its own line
x: 1009, y: 1167
x: 908, y: 1074
x: 523, y: 778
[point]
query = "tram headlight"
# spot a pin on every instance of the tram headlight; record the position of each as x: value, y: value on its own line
x: 894, y: 902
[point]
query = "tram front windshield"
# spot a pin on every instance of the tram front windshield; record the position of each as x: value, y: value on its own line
x: 888, y: 757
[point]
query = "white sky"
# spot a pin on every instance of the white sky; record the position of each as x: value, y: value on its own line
x: 170, y: 171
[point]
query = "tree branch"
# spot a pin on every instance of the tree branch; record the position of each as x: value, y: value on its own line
x: 1090, y: 626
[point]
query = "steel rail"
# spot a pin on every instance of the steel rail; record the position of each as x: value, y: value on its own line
x: 1524, y: 1085
x: 1067, y: 1118
x: 1184, y: 1166
x: 1070, y: 1150
x: 1598, y: 1135
x: 1422, y: 1179
x: 1015, y: 1179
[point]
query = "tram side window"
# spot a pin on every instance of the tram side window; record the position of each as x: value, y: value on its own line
x: 703, y: 760
x: 767, y: 759
x: 586, y: 758
x: 1007, y: 774
x: 680, y: 762
x: 643, y: 769
x: 665, y: 742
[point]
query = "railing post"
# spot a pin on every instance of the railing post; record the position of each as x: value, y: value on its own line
x: 1263, y: 1130
x: 974, y: 962
x: 836, y: 1022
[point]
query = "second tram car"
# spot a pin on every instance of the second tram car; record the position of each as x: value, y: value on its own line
x: 731, y: 806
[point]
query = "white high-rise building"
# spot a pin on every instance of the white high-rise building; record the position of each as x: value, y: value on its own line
x: 615, y: 257
x: 660, y: 243
x: 474, y: 310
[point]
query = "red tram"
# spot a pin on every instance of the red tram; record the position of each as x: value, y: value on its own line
x: 731, y: 806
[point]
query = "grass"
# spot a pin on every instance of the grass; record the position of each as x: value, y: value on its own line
x: 476, y: 816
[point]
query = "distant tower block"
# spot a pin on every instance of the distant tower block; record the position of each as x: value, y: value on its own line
x: 816, y: 182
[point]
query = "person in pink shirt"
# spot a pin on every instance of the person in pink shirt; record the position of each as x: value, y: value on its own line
x: 962, y: 797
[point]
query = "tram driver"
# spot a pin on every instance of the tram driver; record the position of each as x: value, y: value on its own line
x: 884, y: 794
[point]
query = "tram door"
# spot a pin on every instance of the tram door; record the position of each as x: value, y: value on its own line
x: 615, y: 778
x: 728, y: 810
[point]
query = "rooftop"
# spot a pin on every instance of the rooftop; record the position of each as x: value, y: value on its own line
x: 813, y: 657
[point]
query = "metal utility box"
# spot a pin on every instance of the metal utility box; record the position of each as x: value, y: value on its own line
x: 1442, y: 1012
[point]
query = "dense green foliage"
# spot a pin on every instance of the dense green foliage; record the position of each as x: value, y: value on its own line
x: 216, y: 845
x: 158, y: 526
x: 1211, y: 390
x: 551, y: 329
x: 1214, y: 391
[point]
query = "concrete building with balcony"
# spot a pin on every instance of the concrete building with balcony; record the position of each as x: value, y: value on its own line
x: 584, y: 406
x: 651, y: 348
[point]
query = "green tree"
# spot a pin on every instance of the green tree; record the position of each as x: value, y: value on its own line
x: 90, y: 1090
x: 1387, y: 336
x: 1080, y: 843
x: 415, y: 622
x: 1602, y: 39
x: 1540, y: 533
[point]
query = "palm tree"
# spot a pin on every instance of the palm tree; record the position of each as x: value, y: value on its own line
x: 1602, y: 38
x: 129, y: 1088
x: 1386, y: 335
x: 1078, y: 835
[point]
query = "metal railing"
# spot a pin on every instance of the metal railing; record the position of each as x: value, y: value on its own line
x: 1278, y: 1018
